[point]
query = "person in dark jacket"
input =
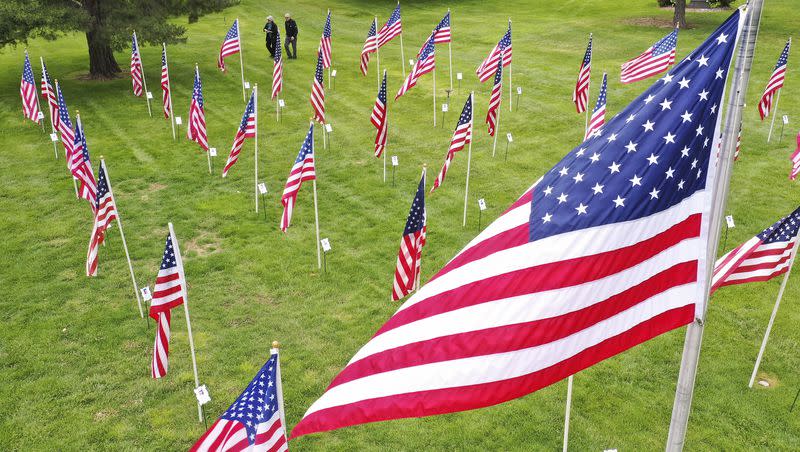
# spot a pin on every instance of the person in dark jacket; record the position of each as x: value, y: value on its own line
x: 271, y: 29
x: 291, y: 37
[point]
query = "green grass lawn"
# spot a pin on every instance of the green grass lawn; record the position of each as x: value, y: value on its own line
x: 74, y: 354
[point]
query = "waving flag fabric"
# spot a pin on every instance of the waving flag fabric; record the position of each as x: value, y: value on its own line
x: 27, y: 90
x: 654, y: 60
x: 494, y: 98
x: 247, y: 129
x: 370, y: 46
x: 795, y: 161
x: 424, y: 64
x: 302, y: 170
x: 64, y: 127
x: 325, y: 43
x: 166, y: 96
x: 461, y: 137
x: 105, y: 213
x: 254, y: 422
x: 607, y: 251
x: 231, y: 45
x: 378, y: 119
x: 761, y: 258
x: 391, y: 29
x: 318, y: 93
x: 81, y: 167
x: 487, y: 68
x: 277, y: 67
x: 775, y: 82
x: 136, y: 67
x: 49, y: 93
x: 599, y: 113
x: 169, y: 292
x: 581, y: 93
x: 409, y: 258
x: 440, y: 34
x: 196, y: 130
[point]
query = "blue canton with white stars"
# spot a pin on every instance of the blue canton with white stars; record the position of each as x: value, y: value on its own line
x: 326, y: 32
x: 783, y: 230
x: 168, y: 261
x: 466, y: 113
x: 278, y: 46
x: 80, y: 139
x: 427, y: 51
x: 134, y: 47
x: 233, y: 32
x: 498, y: 74
x: 666, y: 44
x: 394, y: 17
x: 259, y: 401
x: 63, y: 113
x: 102, y: 186
x: 197, y: 91
x: 651, y: 156
x: 27, y: 72
x: 445, y: 22
x: 382, y: 92
x: 371, y: 31
x: 248, y: 112
x: 587, y: 57
x: 416, y: 216
x: 601, y: 99
x: 506, y: 40
x: 318, y: 73
x: 782, y: 60
x: 307, y: 147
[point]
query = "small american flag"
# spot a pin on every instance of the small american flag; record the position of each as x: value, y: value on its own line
x: 277, y: 67
x: 461, y: 137
x: 795, y: 161
x: 230, y: 46
x: 166, y: 95
x: 379, y: 120
x: 64, y: 127
x: 654, y: 60
x: 738, y: 143
x: 761, y: 258
x: 581, y: 93
x: 196, y: 131
x: 105, y: 214
x: 81, y: 166
x: 325, y: 43
x: 494, y: 98
x: 775, y: 82
x: 391, y: 29
x: 440, y: 34
x: 370, y: 46
x: 318, y: 93
x: 136, y: 67
x: 247, y: 129
x: 599, y: 113
x: 424, y: 64
x: 169, y: 292
x: 302, y: 170
x: 27, y: 89
x: 50, y: 94
x: 409, y: 258
x: 487, y: 68
x: 255, y: 420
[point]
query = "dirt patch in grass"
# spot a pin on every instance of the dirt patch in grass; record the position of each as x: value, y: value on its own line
x: 204, y: 244
x: 651, y: 22
x: 104, y: 415
x: 155, y: 187
x: 771, y: 379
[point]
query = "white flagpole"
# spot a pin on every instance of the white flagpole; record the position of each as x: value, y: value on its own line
x: 169, y: 94
x: 509, y: 74
x: 255, y: 145
x: 402, y: 52
x: 496, y: 130
x: 434, y: 95
x: 377, y: 54
x: 316, y: 210
x: 566, y: 413
x: 419, y: 264
x: 324, y: 137
x: 66, y: 157
x: 278, y: 108
x: 144, y: 81
x: 588, y: 88
x: 52, y: 126
x: 122, y: 236
x: 772, y: 318
x: 279, y: 385
x: 450, y: 50
x: 179, y: 259
x: 36, y: 93
x: 774, y: 114
x: 241, y: 58
x: 329, y: 67
x: 469, y: 159
x: 694, y: 332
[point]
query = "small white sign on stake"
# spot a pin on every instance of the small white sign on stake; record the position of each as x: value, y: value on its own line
x: 201, y: 392
x: 40, y: 115
x: 410, y: 61
x: 395, y: 162
x: 445, y: 107
x: 333, y: 73
x: 510, y: 138
x: 326, y: 244
x: 729, y: 220
x: 328, y: 128
x: 53, y: 137
x: 482, y: 204
x: 459, y: 76
x: 146, y: 295
x: 246, y: 85
x: 149, y: 95
x: 786, y: 119
x: 281, y: 103
x: 262, y: 188
x: 178, y: 120
x: 212, y: 152
x: 519, y: 90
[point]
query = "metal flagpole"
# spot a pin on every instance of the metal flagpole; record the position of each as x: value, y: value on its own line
x: 279, y: 386
x: 496, y: 130
x: 67, y: 157
x: 450, y: 49
x: 36, y: 95
x: 424, y: 187
x: 144, y: 81
x: 52, y: 126
x: 588, y: 89
x: 469, y: 159
x: 241, y: 58
x: 316, y: 210
x: 384, y: 164
x: 122, y: 236
x: 566, y: 413
x: 509, y: 74
x: 179, y: 259
x: 772, y: 318
x: 377, y: 54
x: 329, y: 67
x: 434, y: 96
x: 774, y: 114
x: 255, y: 145
x: 694, y: 331
x: 402, y: 52
x: 169, y: 94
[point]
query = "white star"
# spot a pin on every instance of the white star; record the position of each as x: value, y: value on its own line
x: 636, y: 180
x: 680, y: 185
x: 548, y: 190
x: 714, y: 109
x: 722, y: 38
x: 703, y: 61
x: 719, y: 73
x: 630, y: 118
x: 667, y: 78
x: 581, y: 209
x: 546, y: 218
x: 687, y: 117
x: 703, y: 95
x: 597, y: 189
x: 649, y: 99
x: 631, y: 146
x: 612, y: 137
x: 699, y: 172
x: 666, y: 105
x: 652, y: 159
x: 595, y: 157
x: 669, y: 138
x: 578, y: 177
x: 653, y: 194
x: 648, y: 126
x: 580, y: 152
x: 694, y: 163
x: 614, y: 167
x: 562, y: 198
x: 563, y: 171
x: 620, y: 202
x: 670, y: 172
x: 705, y: 142
x: 684, y: 83
x: 699, y: 130
x: 685, y: 151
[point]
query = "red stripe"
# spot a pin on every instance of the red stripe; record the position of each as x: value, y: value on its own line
x: 202, y: 438
x: 507, y: 239
x: 753, y: 279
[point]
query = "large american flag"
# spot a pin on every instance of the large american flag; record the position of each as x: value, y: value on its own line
x: 325, y: 43
x: 230, y: 46
x: 487, y: 68
x: 379, y: 120
x: 775, y: 82
x: 247, y: 129
x: 254, y: 421
x: 391, y: 29
x: 581, y: 93
x: 599, y: 113
x: 166, y: 95
x: 136, y: 67
x: 81, y: 166
x: 409, y: 258
x: 64, y: 127
x: 277, y: 67
x: 370, y: 46
x: 318, y: 92
x: 169, y: 292
x: 424, y: 64
x: 27, y: 89
x: 761, y: 258
x: 607, y: 251
x: 795, y: 161
x: 654, y: 60
x: 104, y: 215
x: 440, y: 34
x: 302, y: 170
x: 494, y: 98
x: 196, y: 130
x: 50, y: 94
x: 461, y: 137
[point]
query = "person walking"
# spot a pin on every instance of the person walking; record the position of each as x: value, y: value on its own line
x: 291, y: 37
x: 271, y: 29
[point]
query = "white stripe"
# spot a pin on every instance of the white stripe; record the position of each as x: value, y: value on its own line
x: 216, y: 429
x: 766, y: 259
x: 757, y: 273
x: 167, y: 285
x: 745, y: 248
x: 236, y: 438
x: 276, y: 436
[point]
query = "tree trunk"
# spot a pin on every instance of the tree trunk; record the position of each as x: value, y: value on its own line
x: 679, y: 19
x: 101, y: 58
